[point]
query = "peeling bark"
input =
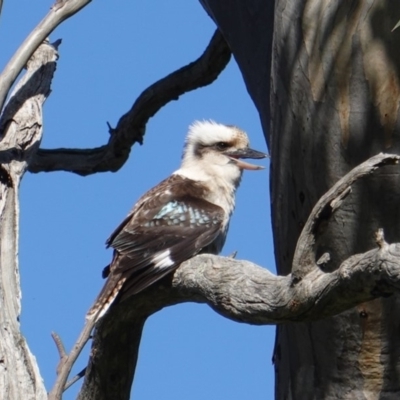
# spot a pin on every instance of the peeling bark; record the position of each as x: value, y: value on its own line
x: 21, y: 132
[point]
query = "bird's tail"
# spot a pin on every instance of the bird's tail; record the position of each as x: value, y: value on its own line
x: 106, y: 297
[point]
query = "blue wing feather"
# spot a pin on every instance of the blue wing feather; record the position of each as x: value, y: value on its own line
x: 163, y: 220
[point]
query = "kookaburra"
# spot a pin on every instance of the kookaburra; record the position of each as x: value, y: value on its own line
x: 184, y: 215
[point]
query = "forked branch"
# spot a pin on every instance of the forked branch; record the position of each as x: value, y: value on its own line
x: 67, y: 360
x: 304, y: 257
x: 132, y: 126
x: 244, y: 292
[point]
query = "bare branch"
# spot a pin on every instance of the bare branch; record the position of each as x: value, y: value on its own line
x: 304, y: 257
x: 132, y: 126
x: 75, y: 379
x: 243, y: 292
x: 67, y: 361
x: 57, y: 14
x: 20, y: 132
x: 240, y: 291
x: 60, y: 348
x: 127, y: 333
x: 253, y: 295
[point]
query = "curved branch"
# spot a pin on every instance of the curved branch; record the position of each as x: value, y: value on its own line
x: 61, y: 10
x: 240, y: 291
x: 132, y: 126
x: 251, y: 294
x: 304, y: 256
x: 243, y: 292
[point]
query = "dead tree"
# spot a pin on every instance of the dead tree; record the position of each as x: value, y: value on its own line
x: 332, y: 108
x: 21, y: 133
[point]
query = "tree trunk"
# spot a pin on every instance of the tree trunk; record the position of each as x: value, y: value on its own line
x: 21, y: 132
x: 334, y: 103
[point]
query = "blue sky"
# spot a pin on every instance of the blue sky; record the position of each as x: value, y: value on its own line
x: 111, y: 51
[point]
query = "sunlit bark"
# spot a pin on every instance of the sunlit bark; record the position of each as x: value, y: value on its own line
x: 21, y: 133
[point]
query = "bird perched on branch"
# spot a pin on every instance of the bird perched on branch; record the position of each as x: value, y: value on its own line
x: 184, y: 215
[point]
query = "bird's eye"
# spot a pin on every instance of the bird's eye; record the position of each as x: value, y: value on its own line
x: 221, y: 145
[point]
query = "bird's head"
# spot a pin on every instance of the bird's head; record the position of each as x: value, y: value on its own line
x: 217, y: 150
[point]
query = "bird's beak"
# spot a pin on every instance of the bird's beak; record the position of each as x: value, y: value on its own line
x: 236, y: 155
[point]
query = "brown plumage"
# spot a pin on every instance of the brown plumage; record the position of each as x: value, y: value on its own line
x: 185, y: 214
x: 141, y: 236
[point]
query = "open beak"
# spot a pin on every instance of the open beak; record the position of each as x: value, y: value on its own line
x: 236, y: 155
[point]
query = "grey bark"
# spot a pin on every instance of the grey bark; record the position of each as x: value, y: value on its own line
x: 334, y: 102
x: 244, y: 292
x: 21, y: 129
x: 59, y: 12
x: 240, y: 291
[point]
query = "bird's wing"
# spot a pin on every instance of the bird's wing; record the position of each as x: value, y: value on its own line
x: 150, y: 203
x: 149, y: 248
x: 167, y: 226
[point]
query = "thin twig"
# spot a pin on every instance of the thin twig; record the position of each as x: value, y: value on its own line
x: 132, y: 126
x: 233, y: 254
x: 304, y: 256
x: 55, y: 17
x: 75, y: 379
x: 66, y: 363
x: 61, y: 350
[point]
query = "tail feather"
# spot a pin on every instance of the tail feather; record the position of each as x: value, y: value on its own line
x: 106, y: 297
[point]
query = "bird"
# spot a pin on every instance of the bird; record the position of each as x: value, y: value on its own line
x: 186, y: 214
